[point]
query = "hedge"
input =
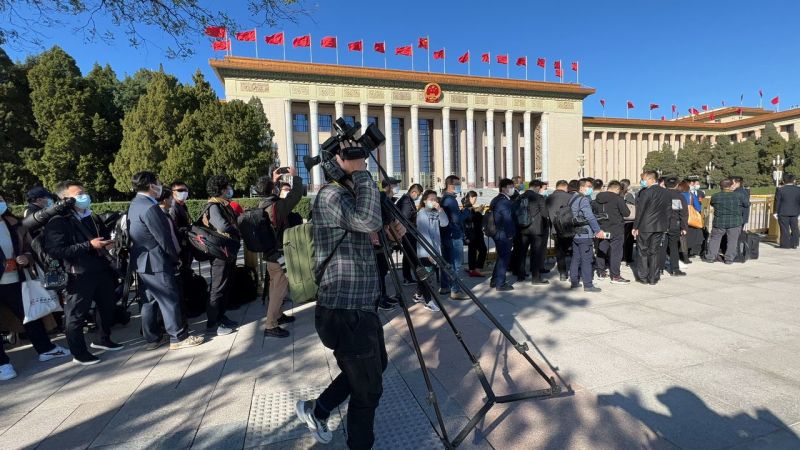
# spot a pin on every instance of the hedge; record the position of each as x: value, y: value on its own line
x: 195, y: 206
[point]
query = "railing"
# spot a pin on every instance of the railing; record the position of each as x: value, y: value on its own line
x: 760, y: 221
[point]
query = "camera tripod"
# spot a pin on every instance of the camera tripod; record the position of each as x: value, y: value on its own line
x: 423, y: 277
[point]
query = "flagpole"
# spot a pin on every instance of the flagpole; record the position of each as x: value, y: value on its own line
x: 412, y: 58
x: 337, y: 49
x: 490, y: 64
x: 469, y: 63
x: 362, y: 52
x: 255, y: 30
x: 428, y: 40
x: 578, y: 74
x: 508, y: 69
x: 385, y: 66
x: 544, y: 78
x: 651, y: 113
x: 284, y: 44
x: 627, y: 110
x: 444, y: 60
x: 310, y: 48
x: 561, y: 65
x: 526, y: 68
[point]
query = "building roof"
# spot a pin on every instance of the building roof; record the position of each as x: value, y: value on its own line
x: 724, y: 112
x: 234, y: 66
x: 760, y: 118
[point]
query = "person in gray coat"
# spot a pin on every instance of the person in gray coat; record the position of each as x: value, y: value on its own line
x: 154, y: 256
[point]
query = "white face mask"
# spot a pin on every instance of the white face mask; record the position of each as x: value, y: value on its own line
x: 157, y: 189
x: 510, y: 191
x: 182, y: 196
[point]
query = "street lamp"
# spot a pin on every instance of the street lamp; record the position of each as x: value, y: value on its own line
x: 581, y: 161
x: 709, y: 168
x: 777, y: 168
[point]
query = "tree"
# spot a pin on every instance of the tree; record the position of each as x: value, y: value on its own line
x: 746, y: 163
x: 768, y: 145
x: 16, y: 129
x: 693, y: 157
x: 131, y: 89
x: 662, y: 161
x: 792, y: 164
x: 723, y: 157
x: 23, y: 21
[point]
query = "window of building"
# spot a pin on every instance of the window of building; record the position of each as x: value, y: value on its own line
x: 503, y: 130
x: 398, y: 149
x: 425, y: 151
x: 373, y: 120
x: 787, y: 128
x: 350, y: 120
x: 300, y: 123
x: 326, y: 122
x: 733, y: 137
x: 455, y: 148
x: 301, y: 150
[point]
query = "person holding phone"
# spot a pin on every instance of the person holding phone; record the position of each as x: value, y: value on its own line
x: 79, y: 240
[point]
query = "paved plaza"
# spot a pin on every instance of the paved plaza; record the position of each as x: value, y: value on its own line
x: 708, y: 361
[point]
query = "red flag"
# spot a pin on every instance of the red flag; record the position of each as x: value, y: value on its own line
x: 221, y: 45
x: 217, y: 32
x: 760, y: 94
x: 739, y: 111
x: 775, y: 100
x: 630, y: 104
x: 248, y: 36
x: 704, y: 107
x: 328, y: 42
x: 522, y: 61
x: 485, y: 57
x: 663, y: 118
x: 575, y: 66
x: 405, y: 50
x: 438, y: 54
x: 674, y: 108
x: 711, y: 116
x: 557, y: 65
x: 380, y: 47
x: 464, y: 58
x: 423, y: 43
x: 357, y: 46
x: 302, y: 41
x: 694, y: 111
x: 541, y: 62
x: 653, y: 106
x: 559, y: 73
x: 502, y: 59
x: 603, y: 102
x: 275, y: 39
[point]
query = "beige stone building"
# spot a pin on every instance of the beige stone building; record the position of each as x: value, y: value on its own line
x: 481, y: 129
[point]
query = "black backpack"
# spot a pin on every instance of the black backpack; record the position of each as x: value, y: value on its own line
x: 565, y: 221
x: 245, y: 287
x: 257, y: 231
x: 208, y: 243
x: 522, y: 214
x: 489, y: 225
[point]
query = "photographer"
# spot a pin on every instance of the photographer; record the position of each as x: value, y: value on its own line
x: 278, y: 210
x: 154, y: 256
x: 345, y: 213
x: 79, y: 240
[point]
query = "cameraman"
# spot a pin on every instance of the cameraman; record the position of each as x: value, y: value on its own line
x: 344, y: 214
x: 278, y: 209
x: 79, y: 240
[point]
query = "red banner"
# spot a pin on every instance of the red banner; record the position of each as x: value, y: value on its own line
x: 502, y: 59
x: 221, y: 45
x: 438, y: 54
x: 357, y: 46
x: 522, y: 61
x: 485, y: 57
x: 302, y: 41
x: 217, y: 32
x: 380, y: 47
x: 464, y: 58
x: 575, y: 66
x: 328, y: 42
x: 541, y: 62
x: 423, y: 43
x: 630, y: 105
x: 247, y: 36
x: 405, y: 50
x: 274, y: 39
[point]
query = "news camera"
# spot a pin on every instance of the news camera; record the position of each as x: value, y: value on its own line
x: 345, y: 144
x: 33, y: 222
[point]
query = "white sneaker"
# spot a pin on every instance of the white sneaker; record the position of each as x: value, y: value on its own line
x: 418, y: 298
x: 7, y: 372
x: 682, y: 265
x: 430, y: 306
x: 57, y: 352
x: 305, y: 412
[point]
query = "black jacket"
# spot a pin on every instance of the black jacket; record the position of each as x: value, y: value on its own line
x: 555, y: 201
x: 180, y: 215
x: 537, y: 209
x: 787, y: 201
x: 653, y: 207
x: 615, y: 207
x: 64, y: 239
x: 745, y: 193
x: 407, y: 208
x: 679, y: 211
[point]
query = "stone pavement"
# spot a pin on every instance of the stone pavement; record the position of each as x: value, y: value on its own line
x: 708, y: 361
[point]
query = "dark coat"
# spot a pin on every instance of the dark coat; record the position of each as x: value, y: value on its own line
x: 745, y: 194
x: 615, y: 207
x: 653, y: 206
x: 67, y: 239
x: 679, y: 211
x: 555, y: 201
x: 503, y: 210
x: 787, y: 201
x: 537, y: 209
x: 407, y: 208
x: 152, y: 247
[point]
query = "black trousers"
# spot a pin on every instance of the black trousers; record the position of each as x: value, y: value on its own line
x: 673, y: 249
x: 356, y: 338
x: 627, y: 247
x: 563, y: 249
x: 82, y: 290
x: 476, y: 253
x: 383, y: 269
x: 790, y: 234
x: 609, y: 254
x: 538, y: 246
x: 409, y: 248
x: 163, y: 294
x: 221, y: 276
x: 11, y: 296
x: 649, y: 245
x: 517, y: 256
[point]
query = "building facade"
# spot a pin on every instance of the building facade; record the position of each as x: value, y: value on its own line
x: 480, y: 129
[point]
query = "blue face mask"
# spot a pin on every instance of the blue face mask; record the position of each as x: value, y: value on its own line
x: 458, y: 189
x: 229, y: 193
x: 3, y: 208
x: 49, y: 203
x: 643, y: 183
x: 83, y: 201
x: 589, y: 191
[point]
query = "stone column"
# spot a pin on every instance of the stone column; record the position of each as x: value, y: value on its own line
x: 363, y: 109
x: 339, y: 110
x: 492, y: 177
x: 446, y: 162
x: 313, y: 122
x: 614, y: 159
x: 660, y: 140
x: 510, y: 144
x: 387, y: 131
x: 588, y: 159
x: 628, y: 157
x: 528, y: 160
x: 546, y: 147
x: 287, y: 108
x: 470, y: 148
x: 603, y: 156
x: 414, y: 153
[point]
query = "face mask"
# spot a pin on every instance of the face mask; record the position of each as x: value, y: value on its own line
x: 48, y: 203
x: 430, y: 204
x: 229, y: 193
x: 182, y: 196
x: 589, y: 191
x: 458, y: 189
x: 158, y: 189
x: 83, y: 201
x: 510, y: 191
x: 643, y: 183
x: 3, y: 208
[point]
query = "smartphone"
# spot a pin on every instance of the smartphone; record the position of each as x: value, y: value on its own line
x: 283, y: 170
x: 607, y: 235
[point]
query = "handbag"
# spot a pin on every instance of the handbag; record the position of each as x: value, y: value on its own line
x: 55, y: 278
x: 695, y: 218
x: 37, y: 301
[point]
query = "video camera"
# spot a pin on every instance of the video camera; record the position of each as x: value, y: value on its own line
x: 34, y: 221
x: 344, y: 144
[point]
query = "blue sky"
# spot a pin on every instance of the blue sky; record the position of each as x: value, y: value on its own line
x: 680, y: 52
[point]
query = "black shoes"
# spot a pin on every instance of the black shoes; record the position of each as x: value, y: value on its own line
x: 539, y: 281
x: 276, y: 332
x: 505, y: 287
x: 591, y: 289
x: 563, y: 277
x: 229, y: 322
x: 284, y: 319
x: 106, y: 344
x: 678, y: 273
x: 87, y: 359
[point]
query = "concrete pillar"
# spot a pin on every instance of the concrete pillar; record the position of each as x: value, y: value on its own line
x: 490, y: 174
x: 387, y: 126
x: 660, y: 140
x: 363, y: 110
x: 588, y: 159
x: 528, y: 159
x: 447, y: 165
x: 546, y: 146
x: 313, y: 121
x: 614, y: 160
x: 603, y: 166
x: 510, y: 144
x: 339, y: 106
x: 470, y: 147
x: 629, y: 154
x: 414, y: 153
x: 287, y: 108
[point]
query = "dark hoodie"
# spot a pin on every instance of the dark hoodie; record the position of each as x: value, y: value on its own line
x: 616, y: 208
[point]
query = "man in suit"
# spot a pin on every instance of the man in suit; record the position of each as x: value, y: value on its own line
x: 653, y: 206
x: 154, y: 256
x: 555, y: 201
x: 787, y: 208
x: 738, y: 188
x: 501, y: 207
x: 678, y: 225
x: 535, y: 234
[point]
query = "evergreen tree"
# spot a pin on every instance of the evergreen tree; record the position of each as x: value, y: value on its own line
x: 693, y: 158
x: 186, y: 161
x: 131, y: 89
x: 792, y: 164
x: 746, y: 164
x: 723, y: 157
x: 662, y: 161
x: 770, y: 144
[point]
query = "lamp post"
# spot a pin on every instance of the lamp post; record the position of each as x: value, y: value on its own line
x: 581, y: 161
x: 709, y: 168
x: 777, y: 168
